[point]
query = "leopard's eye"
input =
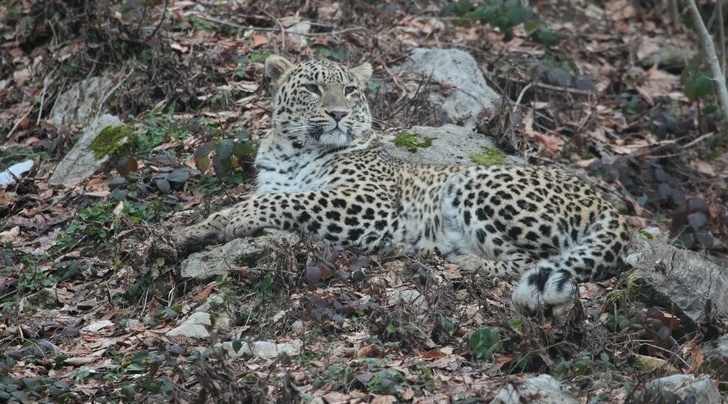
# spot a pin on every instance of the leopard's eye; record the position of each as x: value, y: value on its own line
x: 349, y: 89
x: 312, y: 88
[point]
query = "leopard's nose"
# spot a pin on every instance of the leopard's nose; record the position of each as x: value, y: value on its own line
x: 337, y: 114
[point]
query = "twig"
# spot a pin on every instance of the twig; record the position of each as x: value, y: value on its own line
x: 706, y: 43
x: 397, y: 83
x: 46, y: 81
x: 116, y: 87
x: 721, y: 33
x: 164, y: 15
x: 253, y: 28
x: 566, y: 89
x: 520, y: 96
x: 697, y: 140
x: 22, y: 118
x: 280, y: 26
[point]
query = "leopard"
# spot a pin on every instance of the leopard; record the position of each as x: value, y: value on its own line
x: 322, y: 170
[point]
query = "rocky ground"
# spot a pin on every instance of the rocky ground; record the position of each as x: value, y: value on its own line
x: 122, y: 122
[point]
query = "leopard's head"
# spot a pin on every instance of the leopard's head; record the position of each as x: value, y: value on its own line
x: 319, y: 101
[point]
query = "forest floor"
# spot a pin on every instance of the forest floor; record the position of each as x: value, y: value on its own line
x: 617, y: 96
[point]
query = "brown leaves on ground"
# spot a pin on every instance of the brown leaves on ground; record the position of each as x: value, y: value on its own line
x: 85, y: 306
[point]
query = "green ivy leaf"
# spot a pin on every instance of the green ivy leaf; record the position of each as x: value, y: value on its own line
x: 202, y: 157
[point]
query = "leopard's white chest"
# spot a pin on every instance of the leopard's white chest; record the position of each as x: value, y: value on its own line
x: 290, y: 171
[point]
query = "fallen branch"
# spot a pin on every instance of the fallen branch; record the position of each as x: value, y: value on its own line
x: 706, y: 43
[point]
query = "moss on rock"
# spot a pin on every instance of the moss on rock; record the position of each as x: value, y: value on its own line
x: 489, y: 157
x: 111, y: 141
x: 411, y: 141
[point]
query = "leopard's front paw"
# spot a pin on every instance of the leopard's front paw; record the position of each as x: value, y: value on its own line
x: 195, y: 238
x: 239, y: 227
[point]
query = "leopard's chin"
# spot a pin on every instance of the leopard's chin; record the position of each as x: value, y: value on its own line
x: 334, y: 138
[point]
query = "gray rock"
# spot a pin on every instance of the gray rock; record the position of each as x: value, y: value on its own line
x: 80, y: 163
x: 679, y: 279
x: 457, y: 69
x: 83, y: 102
x: 452, y: 144
x: 221, y: 260
x: 665, y: 52
x: 15, y: 171
x: 263, y: 349
x: 97, y: 326
x: 542, y: 389
x: 221, y: 320
x: 195, y: 326
x: 716, y: 354
x: 406, y: 296
x: 44, y: 299
x: 693, y: 389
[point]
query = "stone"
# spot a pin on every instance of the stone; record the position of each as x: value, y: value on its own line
x: 220, y: 260
x: 97, y: 326
x: 716, y: 356
x: 82, y: 102
x: 14, y: 172
x: 682, y: 280
x: 543, y: 389
x: 451, y: 144
x: 263, y: 349
x: 458, y: 70
x: 690, y: 388
x: 406, y: 296
x: 44, y: 299
x: 195, y: 326
x: 667, y: 53
x: 80, y: 163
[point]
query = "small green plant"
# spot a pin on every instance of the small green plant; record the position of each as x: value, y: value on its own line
x: 503, y: 15
x: 697, y: 84
x: 585, y: 365
x: 226, y: 155
x: 154, y: 130
x: 102, y: 221
x: 34, y: 278
x: 485, y: 342
x: 259, y: 56
x: 337, y: 377
x: 336, y: 53
x: 387, y: 381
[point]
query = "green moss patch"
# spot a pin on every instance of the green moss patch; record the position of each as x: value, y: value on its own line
x: 489, y: 157
x: 412, y: 142
x: 111, y: 141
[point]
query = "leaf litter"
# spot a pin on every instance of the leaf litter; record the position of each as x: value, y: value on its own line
x: 189, y: 74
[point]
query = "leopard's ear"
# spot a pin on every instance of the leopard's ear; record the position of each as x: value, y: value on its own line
x: 362, y: 73
x: 275, y: 67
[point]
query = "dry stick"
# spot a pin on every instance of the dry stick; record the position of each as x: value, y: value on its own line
x: 520, y: 96
x: 22, y: 118
x: 709, y: 48
x: 253, y: 28
x: 116, y: 87
x: 280, y: 26
x: 46, y: 82
x: 721, y: 34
